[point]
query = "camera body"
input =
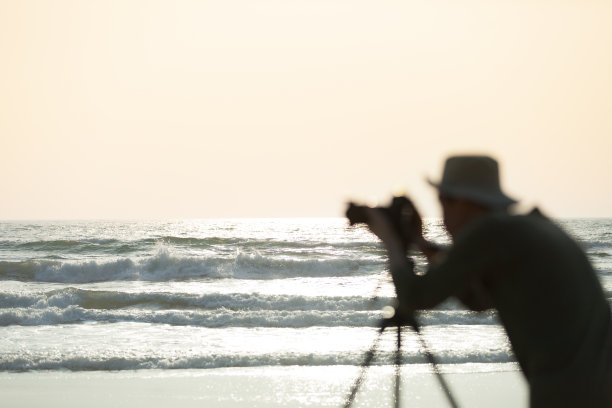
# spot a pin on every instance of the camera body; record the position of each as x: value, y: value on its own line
x: 401, y: 213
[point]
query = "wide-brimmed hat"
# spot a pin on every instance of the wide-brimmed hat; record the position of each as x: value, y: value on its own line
x: 475, y: 178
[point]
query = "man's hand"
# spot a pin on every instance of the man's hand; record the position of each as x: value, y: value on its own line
x: 380, y: 225
x: 407, y: 234
x: 412, y: 225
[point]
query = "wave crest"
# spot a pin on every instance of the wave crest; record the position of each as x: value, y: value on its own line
x: 166, y: 267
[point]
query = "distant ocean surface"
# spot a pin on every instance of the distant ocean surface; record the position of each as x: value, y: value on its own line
x: 207, y: 294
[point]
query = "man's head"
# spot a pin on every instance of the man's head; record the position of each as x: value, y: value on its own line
x: 470, y: 188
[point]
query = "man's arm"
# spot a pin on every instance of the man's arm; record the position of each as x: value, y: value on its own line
x: 475, y: 296
x: 431, y: 250
x: 453, y: 272
x: 408, y: 286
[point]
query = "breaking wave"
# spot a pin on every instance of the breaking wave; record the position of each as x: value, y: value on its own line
x: 167, y: 267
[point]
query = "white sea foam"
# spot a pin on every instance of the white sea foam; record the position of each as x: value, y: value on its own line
x: 114, y: 347
x: 227, y: 318
x: 73, y: 305
x: 96, y: 299
x: 83, y: 363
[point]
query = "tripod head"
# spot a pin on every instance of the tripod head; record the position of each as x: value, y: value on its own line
x: 392, y: 317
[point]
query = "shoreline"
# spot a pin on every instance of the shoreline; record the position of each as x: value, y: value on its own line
x: 264, y: 387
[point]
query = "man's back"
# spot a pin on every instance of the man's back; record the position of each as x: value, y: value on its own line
x: 550, y: 302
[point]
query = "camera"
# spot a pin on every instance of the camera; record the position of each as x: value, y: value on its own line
x: 401, y: 213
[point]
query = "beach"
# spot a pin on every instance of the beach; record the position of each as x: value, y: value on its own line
x: 256, y: 387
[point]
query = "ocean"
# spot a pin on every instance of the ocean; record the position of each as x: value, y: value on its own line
x: 102, y: 296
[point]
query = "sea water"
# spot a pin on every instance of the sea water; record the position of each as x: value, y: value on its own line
x: 216, y: 294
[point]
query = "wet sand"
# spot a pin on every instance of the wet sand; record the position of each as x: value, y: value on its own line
x: 257, y: 387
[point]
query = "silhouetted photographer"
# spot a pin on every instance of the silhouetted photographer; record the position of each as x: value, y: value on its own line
x: 539, y: 280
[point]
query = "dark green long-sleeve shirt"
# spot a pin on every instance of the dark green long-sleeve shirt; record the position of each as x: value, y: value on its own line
x: 548, y: 297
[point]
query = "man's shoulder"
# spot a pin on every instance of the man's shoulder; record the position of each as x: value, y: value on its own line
x: 497, y: 225
x: 535, y: 216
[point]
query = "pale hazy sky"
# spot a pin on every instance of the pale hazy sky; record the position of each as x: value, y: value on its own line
x: 251, y: 108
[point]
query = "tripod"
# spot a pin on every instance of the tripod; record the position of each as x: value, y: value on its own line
x: 399, y: 322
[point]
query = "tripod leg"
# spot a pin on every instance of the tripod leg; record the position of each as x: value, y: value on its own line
x: 398, y: 366
x: 434, y: 365
x: 364, y: 367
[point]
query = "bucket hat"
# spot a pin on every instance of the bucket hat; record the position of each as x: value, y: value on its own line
x: 475, y: 178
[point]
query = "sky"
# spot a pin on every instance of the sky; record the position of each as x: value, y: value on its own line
x: 291, y: 108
